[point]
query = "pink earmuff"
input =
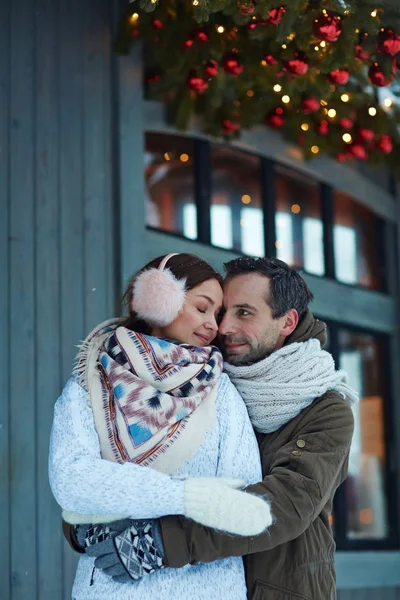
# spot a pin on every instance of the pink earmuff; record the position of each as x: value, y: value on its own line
x: 158, y: 296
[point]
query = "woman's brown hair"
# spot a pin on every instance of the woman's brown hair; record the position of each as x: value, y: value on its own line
x: 183, y: 266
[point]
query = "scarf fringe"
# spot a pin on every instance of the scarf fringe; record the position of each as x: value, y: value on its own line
x: 91, y: 343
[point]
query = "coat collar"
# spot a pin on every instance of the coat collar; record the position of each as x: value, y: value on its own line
x: 308, y: 328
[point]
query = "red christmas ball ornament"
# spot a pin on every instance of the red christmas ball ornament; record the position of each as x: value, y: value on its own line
x: 322, y: 128
x: 201, y: 36
x: 389, y: 42
x: 211, y: 68
x: 339, y: 76
x: 275, y: 15
x: 385, y: 144
x: 276, y: 119
x: 248, y: 8
x: 297, y: 65
x: 358, y: 151
x: 310, y: 105
x: 346, y: 123
x: 197, y: 84
x: 328, y: 28
x: 230, y: 127
x: 365, y: 134
x: 187, y: 44
x: 153, y: 78
x: 362, y: 54
x: 231, y: 64
x: 378, y: 78
x: 270, y: 60
x: 157, y: 24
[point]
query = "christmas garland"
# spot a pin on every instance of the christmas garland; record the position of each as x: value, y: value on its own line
x: 311, y: 69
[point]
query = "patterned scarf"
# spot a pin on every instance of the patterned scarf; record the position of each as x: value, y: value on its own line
x: 152, y: 399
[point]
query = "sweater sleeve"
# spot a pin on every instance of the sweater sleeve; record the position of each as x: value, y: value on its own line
x: 83, y: 482
x: 298, y: 485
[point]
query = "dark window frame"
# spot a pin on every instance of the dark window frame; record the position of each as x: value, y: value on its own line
x: 392, y: 540
x: 202, y: 172
x: 203, y: 194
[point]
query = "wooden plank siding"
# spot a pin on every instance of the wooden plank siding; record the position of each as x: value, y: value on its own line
x: 57, y: 257
x: 5, y: 526
x: 22, y: 365
x: 47, y: 290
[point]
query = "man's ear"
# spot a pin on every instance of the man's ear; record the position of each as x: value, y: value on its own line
x: 291, y: 320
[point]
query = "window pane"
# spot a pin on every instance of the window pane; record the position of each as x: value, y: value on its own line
x: 169, y: 175
x: 361, y: 355
x: 236, y: 207
x: 356, y: 243
x: 298, y: 222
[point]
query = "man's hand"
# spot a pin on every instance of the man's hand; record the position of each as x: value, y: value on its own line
x: 131, y: 554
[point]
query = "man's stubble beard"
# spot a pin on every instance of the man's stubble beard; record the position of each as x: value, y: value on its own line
x: 255, y: 354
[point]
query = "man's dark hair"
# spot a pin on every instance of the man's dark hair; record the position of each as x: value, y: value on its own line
x: 287, y: 289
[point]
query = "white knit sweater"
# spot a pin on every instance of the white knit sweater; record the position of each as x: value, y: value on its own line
x: 82, y: 482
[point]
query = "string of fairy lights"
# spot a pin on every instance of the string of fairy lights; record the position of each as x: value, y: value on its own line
x: 308, y: 85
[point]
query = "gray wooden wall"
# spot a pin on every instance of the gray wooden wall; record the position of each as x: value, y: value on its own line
x: 71, y: 229
x: 57, y: 257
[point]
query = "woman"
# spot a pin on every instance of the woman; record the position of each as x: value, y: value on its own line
x: 148, y: 392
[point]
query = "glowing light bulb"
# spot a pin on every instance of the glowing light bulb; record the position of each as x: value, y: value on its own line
x: 284, y: 46
x: 346, y: 137
x: 305, y: 126
x: 323, y: 44
x: 134, y: 18
x: 196, y: 2
x: 250, y: 93
x: 314, y: 149
x: 277, y: 87
x: 388, y: 102
x: 246, y: 199
x: 345, y: 97
x: 295, y: 209
x: 332, y: 113
x: 220, y: 29
x: 372, y: 111
x: 286, y: 99
x: 184, y: 157
x: 374, y: 13
x: 323, y: 102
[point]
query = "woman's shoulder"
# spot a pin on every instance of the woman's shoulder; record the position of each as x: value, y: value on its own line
x: 229, y: 396
x: 72, y: 394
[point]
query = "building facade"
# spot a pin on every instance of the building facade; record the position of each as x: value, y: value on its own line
x: 94, y: 182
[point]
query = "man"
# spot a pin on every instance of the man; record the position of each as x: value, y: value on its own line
x: 300, y: 409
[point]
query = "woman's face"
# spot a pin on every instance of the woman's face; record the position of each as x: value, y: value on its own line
x: 196, y: 324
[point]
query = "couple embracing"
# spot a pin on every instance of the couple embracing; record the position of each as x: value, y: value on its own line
x: 184, y: 475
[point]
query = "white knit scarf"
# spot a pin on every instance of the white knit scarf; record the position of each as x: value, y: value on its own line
x: 279, y: 387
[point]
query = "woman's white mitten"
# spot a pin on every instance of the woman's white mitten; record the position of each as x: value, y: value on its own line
x: 216, y: 503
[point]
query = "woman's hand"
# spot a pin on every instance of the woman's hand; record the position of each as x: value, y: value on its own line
x: 218, y: 503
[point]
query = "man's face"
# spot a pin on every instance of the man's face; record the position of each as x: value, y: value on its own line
x: 248, y: 332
